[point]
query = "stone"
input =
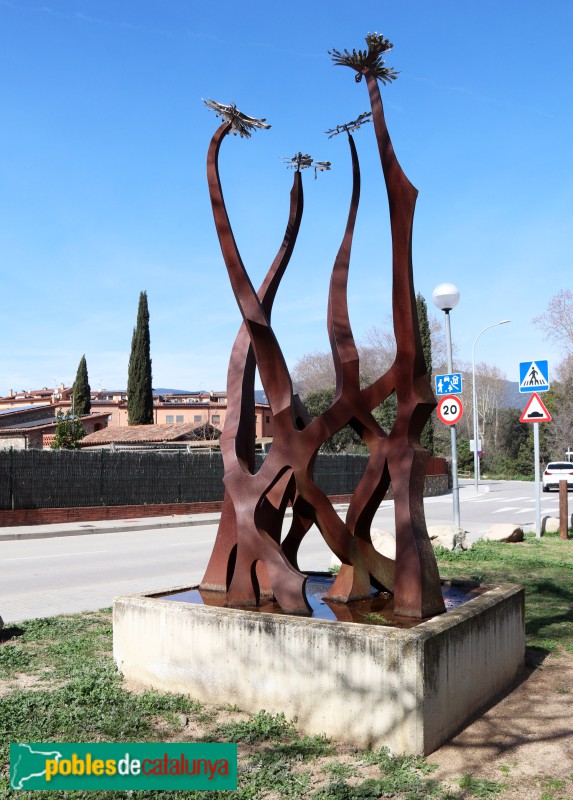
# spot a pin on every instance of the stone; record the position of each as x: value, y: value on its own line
x: 550, y: 525
x: 449, y: 537
x: 383, y: 541
x: 504, y: 532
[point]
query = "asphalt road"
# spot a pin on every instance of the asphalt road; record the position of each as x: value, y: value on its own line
x: 44, y: 577
x: 497, y: 501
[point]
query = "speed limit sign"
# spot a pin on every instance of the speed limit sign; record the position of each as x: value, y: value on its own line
x: 450, y: 409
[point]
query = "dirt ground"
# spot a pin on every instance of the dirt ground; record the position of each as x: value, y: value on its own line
x: 525, y: 739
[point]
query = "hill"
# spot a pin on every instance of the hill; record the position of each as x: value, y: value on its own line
x: 513, y: 398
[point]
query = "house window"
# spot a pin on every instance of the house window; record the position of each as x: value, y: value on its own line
x: 179, y: 418
x: 215, y: 419
x: 267, y: 420
x: 169, y: 418
x: 198, y: 418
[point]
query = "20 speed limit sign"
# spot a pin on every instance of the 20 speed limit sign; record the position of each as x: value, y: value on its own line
x: 450, y: 409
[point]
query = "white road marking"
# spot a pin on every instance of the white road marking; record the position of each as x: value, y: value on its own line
x: 187, y: 544
x: 56, y: 555
x: 506, y: 508
x: 481, y: 499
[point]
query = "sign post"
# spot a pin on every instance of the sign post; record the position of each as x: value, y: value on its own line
x: 450, y: 411
x: 537, y: 478
x: 563, y: 510
x: 536, y: 412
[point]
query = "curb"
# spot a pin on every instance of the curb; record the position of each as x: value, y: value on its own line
x: 48, y: 532
x: 54, y: 531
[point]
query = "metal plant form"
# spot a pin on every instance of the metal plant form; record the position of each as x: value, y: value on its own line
x: 304, y: 161
x: 250, y: 558
x: 240, y: 123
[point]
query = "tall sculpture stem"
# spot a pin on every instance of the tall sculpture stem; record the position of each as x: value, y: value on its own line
x: 238, y: 439
x: 417, y: 590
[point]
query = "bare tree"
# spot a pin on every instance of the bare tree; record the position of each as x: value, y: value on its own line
x: 312, y: 372
x: 439, y: 353
x: 490, y: 392
x: 559, y: 434
x: 315, y: 371
x: 377, y: 352
x: 557, y: 320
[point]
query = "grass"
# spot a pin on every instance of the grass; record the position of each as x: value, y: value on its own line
x: 481, y: 788
x: 59, y: 683
x: 543, y: 566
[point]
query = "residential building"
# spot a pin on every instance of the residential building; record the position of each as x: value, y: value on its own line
x: 34, y: 397
x: 35, y: 427
x: 196, y: 409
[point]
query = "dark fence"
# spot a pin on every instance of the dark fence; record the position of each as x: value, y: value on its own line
x: 69, y: 479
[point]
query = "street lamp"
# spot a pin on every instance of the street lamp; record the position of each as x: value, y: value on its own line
x: 474, y: 401
x: 446, y: 296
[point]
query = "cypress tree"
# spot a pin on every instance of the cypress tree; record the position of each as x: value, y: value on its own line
x: 81, y: 390
x: 139, y: 389
x: 427, y: 437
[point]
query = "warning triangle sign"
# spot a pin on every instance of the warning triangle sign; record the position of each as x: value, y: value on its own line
x: 535, y: 411
x: 536, y: 378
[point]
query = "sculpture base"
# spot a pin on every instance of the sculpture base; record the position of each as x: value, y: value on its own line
x: 370, y: 685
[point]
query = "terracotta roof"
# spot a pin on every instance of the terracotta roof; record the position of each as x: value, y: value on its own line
x: 139, y: 433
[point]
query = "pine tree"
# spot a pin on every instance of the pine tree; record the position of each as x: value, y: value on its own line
x: 427, y: 437
x: 139, y: 388
x: 68, y: 433
x: 81, y: 396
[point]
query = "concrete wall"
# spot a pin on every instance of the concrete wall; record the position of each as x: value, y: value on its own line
x: 14, y: 442
x: 370, y: 686
x: 470, y: 658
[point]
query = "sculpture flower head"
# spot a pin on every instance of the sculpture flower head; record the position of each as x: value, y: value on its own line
x: 370, y: 60
x: 349, y: 127
x: 241, y: 123
x: 304, y: 161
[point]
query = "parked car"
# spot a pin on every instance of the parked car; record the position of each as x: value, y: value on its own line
x: 557, y: 471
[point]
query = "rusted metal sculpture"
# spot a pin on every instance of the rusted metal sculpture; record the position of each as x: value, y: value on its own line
x: 249, y: 559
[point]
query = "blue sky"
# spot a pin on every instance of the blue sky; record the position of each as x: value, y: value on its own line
x: 103, y: 190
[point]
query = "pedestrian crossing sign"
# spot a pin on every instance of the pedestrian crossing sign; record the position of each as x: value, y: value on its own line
x: 533, y: 376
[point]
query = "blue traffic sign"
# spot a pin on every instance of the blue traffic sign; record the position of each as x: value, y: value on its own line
x: 533, y: 376
x: 449, y: 384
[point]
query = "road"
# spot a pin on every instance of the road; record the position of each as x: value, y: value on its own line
x: 44, y: 577
x: 497, y: 501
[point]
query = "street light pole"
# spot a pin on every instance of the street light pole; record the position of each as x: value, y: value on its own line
x: 474, y: 401
x: 446, y: 297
